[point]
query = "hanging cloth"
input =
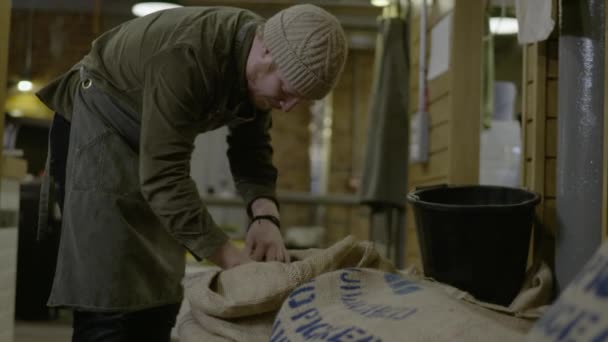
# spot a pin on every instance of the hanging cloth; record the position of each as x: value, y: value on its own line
x: 384, y: 178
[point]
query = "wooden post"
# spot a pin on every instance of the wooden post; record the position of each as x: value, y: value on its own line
x: 466, y: 63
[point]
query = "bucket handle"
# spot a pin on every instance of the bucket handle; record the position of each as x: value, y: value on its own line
x: 426, y: 187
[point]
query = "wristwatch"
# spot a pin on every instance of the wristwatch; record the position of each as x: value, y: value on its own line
x: 271, y: 218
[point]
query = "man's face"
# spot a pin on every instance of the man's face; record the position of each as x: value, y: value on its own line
x: 269, y: 90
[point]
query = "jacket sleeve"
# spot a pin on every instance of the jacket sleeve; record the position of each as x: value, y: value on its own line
x: 250, y: 157
x: 174, y: 98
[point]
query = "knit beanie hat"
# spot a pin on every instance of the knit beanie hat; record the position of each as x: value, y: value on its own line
x: 309, y: 47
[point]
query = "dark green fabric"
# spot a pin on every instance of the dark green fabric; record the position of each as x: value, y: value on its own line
x: 384, y: 179
x: 177, y: 73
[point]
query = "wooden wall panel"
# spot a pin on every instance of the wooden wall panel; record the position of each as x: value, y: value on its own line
x: 552, y: 58
x: 437, y: 167
x: 454, y: 105
x: 550, y: 177
x: 551, y: 137
x: 530, y: 57
x: 529, y: 144
x: 540, y: 137
x: 439, y: 87
x: 552, y: 98
x: 466, y: 62
x: 550, y: 217
x: 439, y: 138
x: 440, y: 110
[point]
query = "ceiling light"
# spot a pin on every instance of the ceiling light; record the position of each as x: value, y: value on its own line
x: 503, y: 25
x: 381, y: 3
x: 24, y: 86
x: 145, y: 8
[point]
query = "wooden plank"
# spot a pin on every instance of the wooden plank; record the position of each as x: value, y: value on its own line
x: 552, y: 97
x: 529, y: 143
x: 439, y: 137
x: 436, y: 167
x: 413, y: 82
x: 529, y: 175
x: 551, y: 137
x: 439, y: 87
x: 550, y: 177
x: 415, y: 30
x: 440, y: 110
x: 529, y: 104
x: 530, y: 57
x: 552, y: 58
x: 441, y: 179
x: 466, y: 91
x: 537, y: 109
x: 525, y: 113
x: 413, y: 101
x: 550, y: 215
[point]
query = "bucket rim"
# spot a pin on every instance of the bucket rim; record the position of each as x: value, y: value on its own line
x: 415, y: 200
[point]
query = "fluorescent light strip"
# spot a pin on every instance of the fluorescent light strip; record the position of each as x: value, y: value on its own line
x: 503, y: 25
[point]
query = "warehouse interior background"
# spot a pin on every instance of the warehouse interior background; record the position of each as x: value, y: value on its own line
x: 494, y: 111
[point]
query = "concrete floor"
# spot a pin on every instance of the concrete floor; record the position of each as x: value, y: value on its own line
x: 56, y: 330
x: 46, y: 331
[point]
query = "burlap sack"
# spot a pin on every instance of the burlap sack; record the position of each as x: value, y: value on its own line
x: 581, y: 311
x: 369, y: 305
x: 240, y: 304
x: 525, y: 309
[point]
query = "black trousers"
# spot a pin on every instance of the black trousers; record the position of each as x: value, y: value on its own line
x: 150, y: 325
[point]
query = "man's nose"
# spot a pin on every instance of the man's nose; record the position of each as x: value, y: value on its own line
x: 287, y: 105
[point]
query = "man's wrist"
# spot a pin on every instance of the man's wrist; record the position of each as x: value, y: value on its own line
x: 275, y: 220
x: 264, y: 206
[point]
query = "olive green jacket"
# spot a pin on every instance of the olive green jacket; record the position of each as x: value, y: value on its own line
x: 180, y: 72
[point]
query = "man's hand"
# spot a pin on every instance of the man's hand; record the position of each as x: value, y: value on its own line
x: 229, y: 256
x: 265, y: 243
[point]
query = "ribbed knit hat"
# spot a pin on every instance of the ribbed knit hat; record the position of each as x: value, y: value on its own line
x: 309, y: 47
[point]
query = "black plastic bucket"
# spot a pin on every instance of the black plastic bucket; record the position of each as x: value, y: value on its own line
x: 475, y: 238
